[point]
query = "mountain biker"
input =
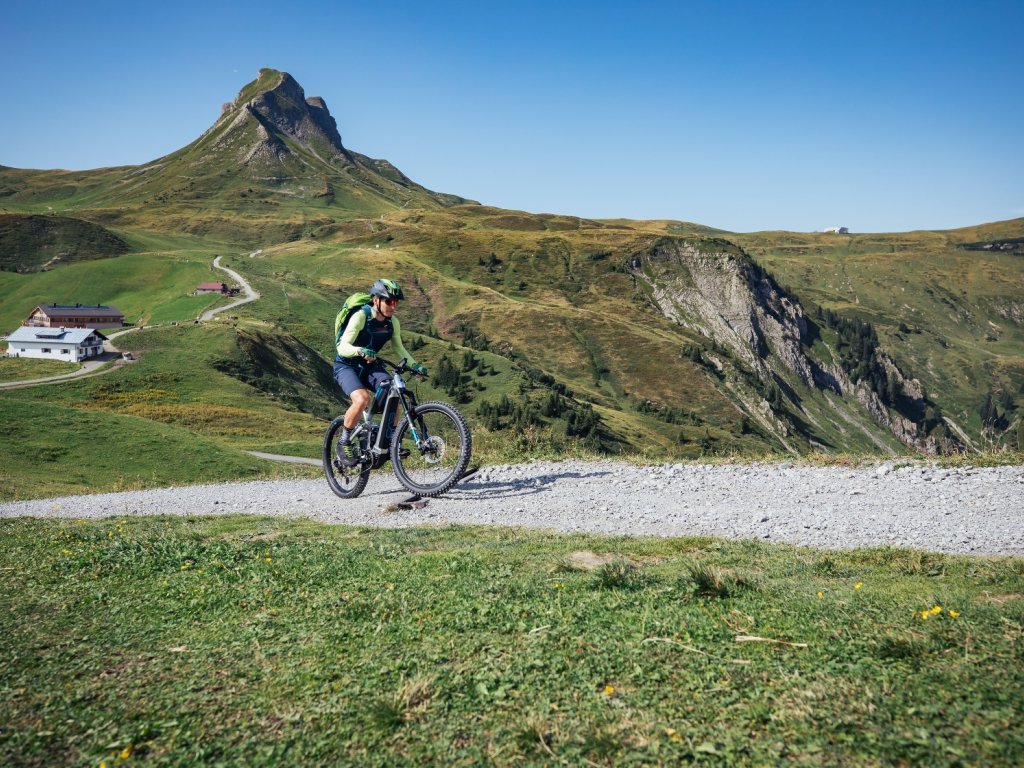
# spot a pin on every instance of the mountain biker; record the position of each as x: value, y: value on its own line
x: 355, y: 367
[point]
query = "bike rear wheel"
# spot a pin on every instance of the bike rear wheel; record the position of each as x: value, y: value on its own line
x: 346, y: 482
x: 436, y: 444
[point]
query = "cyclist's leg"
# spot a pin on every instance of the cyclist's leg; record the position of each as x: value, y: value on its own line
x: 351, y: 383
x: 360, y: 399
x: 354, y: 386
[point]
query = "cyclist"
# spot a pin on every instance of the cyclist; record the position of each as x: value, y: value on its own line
x: 355, y: 367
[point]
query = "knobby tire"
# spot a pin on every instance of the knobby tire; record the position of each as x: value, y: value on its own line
x: 435, y: 470
x: 346, y: 482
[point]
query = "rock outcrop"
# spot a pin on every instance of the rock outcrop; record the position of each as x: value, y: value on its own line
x: 713, y: 288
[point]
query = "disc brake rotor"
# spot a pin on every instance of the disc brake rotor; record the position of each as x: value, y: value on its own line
x: 434, y: 449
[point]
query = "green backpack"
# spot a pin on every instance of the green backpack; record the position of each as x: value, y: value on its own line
x: 356, y: 301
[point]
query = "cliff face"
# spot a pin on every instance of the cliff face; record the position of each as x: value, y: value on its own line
x: 720, y: 294
x: 762, y: 339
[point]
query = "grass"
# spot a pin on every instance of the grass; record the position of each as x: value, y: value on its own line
x: 177, y: 415
x: 147, y: 287
x: 21, y: 368
x: 263, y: 641
x: 51, y: 450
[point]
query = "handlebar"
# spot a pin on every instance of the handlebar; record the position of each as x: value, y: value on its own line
x: 400, y: 367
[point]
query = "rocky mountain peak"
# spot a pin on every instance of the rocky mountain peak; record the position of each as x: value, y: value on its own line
x: 272, y: 144
x: 277, y: 101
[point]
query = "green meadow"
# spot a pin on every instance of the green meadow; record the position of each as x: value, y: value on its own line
x: 174, y: 641
x: 153, y: 287
x: 22, y: 368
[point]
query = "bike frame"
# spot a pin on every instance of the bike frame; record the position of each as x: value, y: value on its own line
x: 380, y: 433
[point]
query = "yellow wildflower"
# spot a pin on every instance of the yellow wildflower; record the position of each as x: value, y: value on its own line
x: 126, y: 752
x: 673, y: 734
x: 609, y: 690
x: 935, y: 610
x: 558, y: 585
x: 270, y: 559
x: 820, y: 596
x: 858, y: 585
x: 925, y: 614
x: 953, y: 614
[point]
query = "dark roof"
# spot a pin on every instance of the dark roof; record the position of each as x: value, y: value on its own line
x: 78, y: 310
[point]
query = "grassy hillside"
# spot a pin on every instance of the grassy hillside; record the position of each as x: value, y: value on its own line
x: 545, y: 337
x: 550, y: 337
x: 29, y: 242
x: 54, y: 450
x: 603, y: 350
x: 22, y: 368
x: 152, y: 286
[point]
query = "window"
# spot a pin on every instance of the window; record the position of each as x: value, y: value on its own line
x: 45, y: 350
x: 65, y: 351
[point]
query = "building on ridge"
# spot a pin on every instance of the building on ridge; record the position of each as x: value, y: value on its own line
x: 211, y: 288
x: 74, y: 316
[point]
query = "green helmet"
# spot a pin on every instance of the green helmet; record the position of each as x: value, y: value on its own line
x: 387, y: 289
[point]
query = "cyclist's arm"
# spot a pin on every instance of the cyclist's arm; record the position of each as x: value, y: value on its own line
x: 346, y: 344
x: 396, y: 342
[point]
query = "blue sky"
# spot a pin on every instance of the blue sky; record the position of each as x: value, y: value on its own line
x: 740, y: 115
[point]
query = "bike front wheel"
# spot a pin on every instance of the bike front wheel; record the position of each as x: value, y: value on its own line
x: 431, y: 450
x: 346, y: 482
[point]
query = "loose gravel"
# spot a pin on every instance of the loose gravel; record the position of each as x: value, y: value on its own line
x: 963, y: 510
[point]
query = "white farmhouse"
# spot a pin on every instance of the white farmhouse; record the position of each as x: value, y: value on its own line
x: 837, y: 230
x: 68, y: 344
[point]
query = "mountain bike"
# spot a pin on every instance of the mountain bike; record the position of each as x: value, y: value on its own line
x: 429, y: 447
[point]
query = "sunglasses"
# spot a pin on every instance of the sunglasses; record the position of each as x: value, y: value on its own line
x: 390, y: 302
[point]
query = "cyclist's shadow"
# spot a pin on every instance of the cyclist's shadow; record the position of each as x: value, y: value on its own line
x: 473, y: 488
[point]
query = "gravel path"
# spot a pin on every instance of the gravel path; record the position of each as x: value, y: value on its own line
x: 978, y: 511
